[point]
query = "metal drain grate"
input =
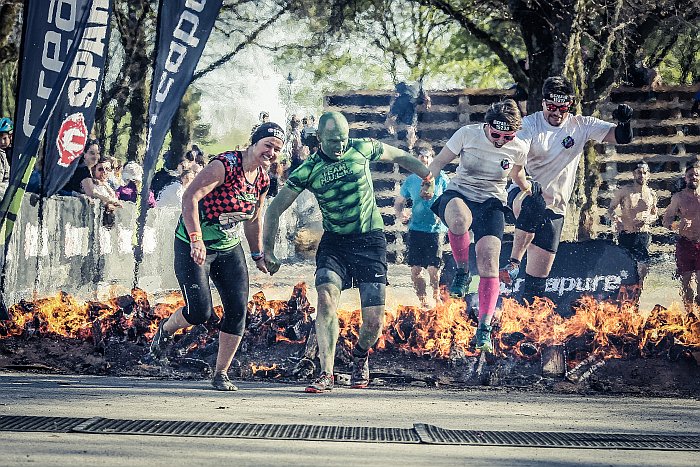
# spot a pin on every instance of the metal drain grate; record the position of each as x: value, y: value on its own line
x: 421, y: 433
x: 252, y: 430
x: 434, y: 435
x: 50, y: 424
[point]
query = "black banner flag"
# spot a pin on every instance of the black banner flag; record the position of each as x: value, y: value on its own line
x: 183, y: 30
x: 38, y: 98
x: 74, y: 116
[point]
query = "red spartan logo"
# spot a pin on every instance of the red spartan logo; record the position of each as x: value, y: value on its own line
x: 71, y: 139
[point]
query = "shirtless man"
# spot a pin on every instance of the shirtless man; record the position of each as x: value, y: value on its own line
x: 686, y: 205
x: 636, y: 204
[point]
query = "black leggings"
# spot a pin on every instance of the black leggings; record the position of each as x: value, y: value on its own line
x: 229, y: 273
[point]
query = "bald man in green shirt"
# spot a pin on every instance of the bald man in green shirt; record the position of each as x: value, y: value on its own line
x: 353, y: 247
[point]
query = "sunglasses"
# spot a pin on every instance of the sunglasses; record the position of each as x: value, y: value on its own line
x: 564, y: 108
x: 495, y: 134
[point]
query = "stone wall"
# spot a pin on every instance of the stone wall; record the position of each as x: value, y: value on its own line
x: 665, y: 136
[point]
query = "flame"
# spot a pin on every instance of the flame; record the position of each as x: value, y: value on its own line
x: 603, y: 329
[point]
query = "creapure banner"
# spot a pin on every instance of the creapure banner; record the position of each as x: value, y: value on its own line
x: 183, y: 30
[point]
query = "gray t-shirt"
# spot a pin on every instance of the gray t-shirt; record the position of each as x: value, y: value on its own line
x: 483, y: 168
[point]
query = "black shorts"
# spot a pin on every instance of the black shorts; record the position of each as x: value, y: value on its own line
x: 356, y: 258
x: 637, y: 243
x: 424, y: 248
x: 548, y: 234
x: 229, y: 273
x: 488, y: 218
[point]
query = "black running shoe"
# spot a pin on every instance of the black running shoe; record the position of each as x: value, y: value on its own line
x: 359, y: 379
x: 323, y: 383
x: 460, y: 284
x: 160, y: 341
x: 222, y: 383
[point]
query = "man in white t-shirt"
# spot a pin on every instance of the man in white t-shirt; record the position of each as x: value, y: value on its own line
x: 557, y: 139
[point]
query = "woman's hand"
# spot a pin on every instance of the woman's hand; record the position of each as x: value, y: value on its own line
x: 260, y: 264
x: 198, y: 252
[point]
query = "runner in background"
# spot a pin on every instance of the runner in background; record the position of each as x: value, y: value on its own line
x: 685, y: 205
x: 636, y: 205
x: 426, y: 233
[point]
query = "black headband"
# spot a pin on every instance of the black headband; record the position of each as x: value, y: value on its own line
x: 558, y: 98
x: 266, y: 130
x: 500, y: 125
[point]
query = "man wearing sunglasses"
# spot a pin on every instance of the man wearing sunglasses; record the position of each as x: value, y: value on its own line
x: 556, y: 139
x: 475, y: 200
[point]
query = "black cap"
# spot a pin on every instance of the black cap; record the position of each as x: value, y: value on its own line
x: 266, y: 130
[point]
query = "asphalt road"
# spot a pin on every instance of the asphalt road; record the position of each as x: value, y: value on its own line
x: 484, y: 409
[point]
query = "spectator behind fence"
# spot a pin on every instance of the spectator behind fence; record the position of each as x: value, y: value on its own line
x: 308, y: 133
x: 115, y: 177
x: 103, y: 192
x: 171, y: 196
x: 132, y: 176
x: 81, y: 182
x: 169, y: 173
x: 6, y: 129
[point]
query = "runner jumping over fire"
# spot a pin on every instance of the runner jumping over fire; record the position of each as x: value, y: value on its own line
x: 686, y: 205
x: 475, y: 197
x: 557, y: 139
x: 637, y: 207
x: 228, y: 191
x: 353, y: 247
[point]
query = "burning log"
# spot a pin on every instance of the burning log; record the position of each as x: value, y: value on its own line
x: 305, y: 368
x: 528, y: 349
x: 584, y: 369
x: 553, y: 360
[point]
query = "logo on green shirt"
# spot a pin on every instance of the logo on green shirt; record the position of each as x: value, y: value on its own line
x: 334, y: 172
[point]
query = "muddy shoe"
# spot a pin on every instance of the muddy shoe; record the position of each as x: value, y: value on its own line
x: 359, y: 379
x: 460, y: 284
x: 483, y: 338
x: 509, y: 273
x: 222, y: 383
x: 160, y: 341
x: 323, y: 383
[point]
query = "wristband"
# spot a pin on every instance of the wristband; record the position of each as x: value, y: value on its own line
x: 257, y: 255
x: 195, y: 236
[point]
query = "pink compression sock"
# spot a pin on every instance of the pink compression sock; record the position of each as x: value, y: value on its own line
x: 460, y: 248
x: 489, y: 287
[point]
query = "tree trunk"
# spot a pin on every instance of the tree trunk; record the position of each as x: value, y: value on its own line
x: 181, y: 130
x: 10, y: 38
x: 8, y: 77
x: 135, y: 150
